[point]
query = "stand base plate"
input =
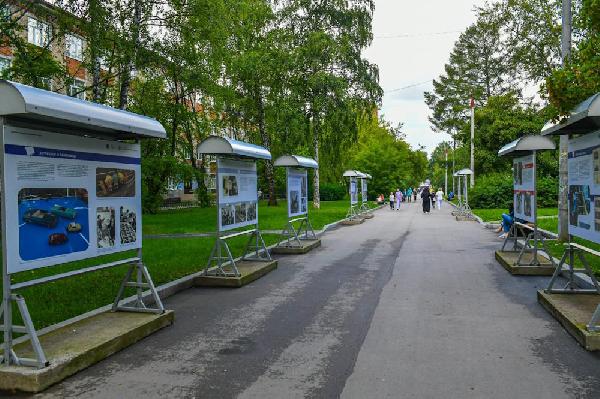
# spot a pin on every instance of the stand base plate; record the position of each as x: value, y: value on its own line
x: 80, y: 344
x: 574, y: 312
x: 307, y: 246
x: 352, y: 222
x: 508, y: 259
x: 249, y: 270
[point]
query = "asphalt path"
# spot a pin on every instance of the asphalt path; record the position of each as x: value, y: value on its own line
x: 405, y: 305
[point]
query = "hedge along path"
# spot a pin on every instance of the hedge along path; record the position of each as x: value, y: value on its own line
x: 166, y: 259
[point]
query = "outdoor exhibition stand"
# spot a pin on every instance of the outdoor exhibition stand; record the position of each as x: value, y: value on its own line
x: 297, y: 201
x: 68, y: 166
x: 583, y: 129
x: 237, y: 202
x: 463, y: 208
x: 353, y: 213
x: 364, y: 195
x: 524, y: 153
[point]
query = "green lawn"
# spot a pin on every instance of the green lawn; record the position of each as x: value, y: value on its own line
x: 200, y: 220
x: 167, y: 260
x: 495, y: 215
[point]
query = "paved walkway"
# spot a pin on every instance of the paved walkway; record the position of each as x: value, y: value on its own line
x: 404, y: 306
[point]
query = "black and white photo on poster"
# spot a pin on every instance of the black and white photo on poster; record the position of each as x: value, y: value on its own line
x: 105, y: 227
x: 297, y: 191
x: 128, y: 225
x: 227, y: 215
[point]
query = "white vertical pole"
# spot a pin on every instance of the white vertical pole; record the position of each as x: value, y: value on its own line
x: 6, y: 289
x: 446, y: 172
x: 472, y: 142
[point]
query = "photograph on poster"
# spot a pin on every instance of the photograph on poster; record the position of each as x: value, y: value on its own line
x: 113, y: 182
x: 353, y: 191
x: 304, y: 206
x: 527, y: 204
x: 240, y: 213
x: 579, y: 205
x: 128, y: 225
x: 52, y: 221
x: 364, y: 190
x: 596, y: 153
x: 251, y: 212
x: 597, y: 214
x: 294, y: 202
x: 518, y: 173
x: 304, y: 187
x: 106, y: 228
x: 230, y: 186
x: 519, y: 203
x: 227, y: 215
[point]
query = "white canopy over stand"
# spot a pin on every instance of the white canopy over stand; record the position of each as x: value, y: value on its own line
x: 296, y: 166
x: 525, y: 149
x: 74, y: 143
x: 236, y: 160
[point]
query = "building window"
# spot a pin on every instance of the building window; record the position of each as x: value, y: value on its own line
x: 38, y: 32
x: 4, y: 65
x: 46, y: 84
x: 77, y: 89
x: 74, y: 46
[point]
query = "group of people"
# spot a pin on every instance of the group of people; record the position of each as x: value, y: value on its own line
x: 430, y: 198
x: 400, y: 196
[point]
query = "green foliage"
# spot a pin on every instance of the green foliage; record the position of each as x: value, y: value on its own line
x: 492, y: 191
x: 332, y: 192
x: 496, y: 191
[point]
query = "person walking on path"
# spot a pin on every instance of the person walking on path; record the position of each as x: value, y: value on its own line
x: 425, y: 196
x: 432, y: 197
x: 439, y: 196
x: 398, y: 199
x: 392, y: 199
x: 409, y: 194
x: 415, y: 192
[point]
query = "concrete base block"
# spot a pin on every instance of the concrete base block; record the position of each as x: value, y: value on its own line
x: 249, y: 270
x: 368, y: 215
x: 352, y: 222
x: 465, y: 219
x: 74, y: 347
x: 508, y: 259
x: 574, y: 311
x: 307, y: 246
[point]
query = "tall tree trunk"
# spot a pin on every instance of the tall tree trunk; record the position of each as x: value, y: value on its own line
x: 266, y: 142
x: 316, y: 190
x: 131, y: 62
x: 96, y: 22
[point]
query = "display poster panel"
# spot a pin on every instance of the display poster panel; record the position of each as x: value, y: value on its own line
x: 297, y: 186
x: 524, y: 188
x: 68, y: 198
x: 238, y: 194
x: 353, y: 191
x: 364, y: 190
x: 584, y: 187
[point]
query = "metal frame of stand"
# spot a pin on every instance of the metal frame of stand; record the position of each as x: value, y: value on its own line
x: 534, y: 240
x: 354, y: 210
x: 41, y: 112
x: 221, y: 262
x: 290, y: 236
x: 583, y: 120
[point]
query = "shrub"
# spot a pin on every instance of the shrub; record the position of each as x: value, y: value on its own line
x: 332, y: 192
x: 496, y: 191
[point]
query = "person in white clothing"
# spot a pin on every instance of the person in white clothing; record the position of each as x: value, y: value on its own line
x: 440, y: 197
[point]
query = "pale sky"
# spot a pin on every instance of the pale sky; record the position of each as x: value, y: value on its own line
x: 417, y: 57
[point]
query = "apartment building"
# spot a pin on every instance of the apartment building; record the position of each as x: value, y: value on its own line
x: 67, y: 48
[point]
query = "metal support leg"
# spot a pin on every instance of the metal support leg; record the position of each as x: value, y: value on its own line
x: 142, y: 281
x: 9, y: 356
x: 557, y: 272
x: 595, y: 321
